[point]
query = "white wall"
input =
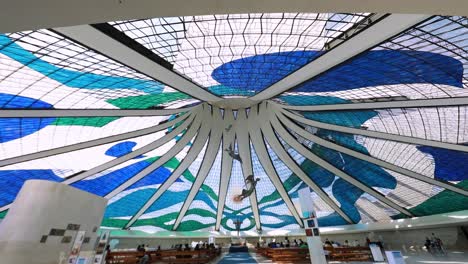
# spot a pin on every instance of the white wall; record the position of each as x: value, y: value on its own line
x: 165, y: 243
x: 408, y: 241
x: 39, y: 207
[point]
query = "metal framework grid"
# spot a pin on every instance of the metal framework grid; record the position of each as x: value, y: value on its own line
x: 394, y: 148
x: 197, y: 46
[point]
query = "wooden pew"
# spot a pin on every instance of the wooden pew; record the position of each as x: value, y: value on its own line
x: 286, y: 255
x: 129, y: 257
x: 301, y: 255
x: 350, y: 253
x: 262, y: 251
x: 192, y: 256
x: 164, y: 256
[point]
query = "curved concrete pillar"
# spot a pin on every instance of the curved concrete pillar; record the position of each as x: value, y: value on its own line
x: 40, y: 207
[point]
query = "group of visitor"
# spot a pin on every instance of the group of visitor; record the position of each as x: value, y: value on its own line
x: 198, y: 246
x: 346, y: 243
x: 146, y: 257
x: 301, y: 244
x: 285, y: 244
x: 142, y: 248
x: 187, y: 247
x: 434, y: 245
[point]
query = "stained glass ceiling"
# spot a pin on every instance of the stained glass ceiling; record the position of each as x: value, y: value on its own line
x: 68, y: 75
x: 427, y: 61
x: 210, y: 49
x: 382, y: 135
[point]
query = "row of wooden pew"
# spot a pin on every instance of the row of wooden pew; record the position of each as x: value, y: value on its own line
x: 301, y: 255
x: 285, y: 255
x: 349, y: 253
x: 163, y: 256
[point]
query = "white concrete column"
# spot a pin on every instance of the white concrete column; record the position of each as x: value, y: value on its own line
x: 43, y: 221
x: 314, y: 242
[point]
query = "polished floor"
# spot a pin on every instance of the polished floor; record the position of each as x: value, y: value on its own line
x: 453, y: 257
x: 238, y: 258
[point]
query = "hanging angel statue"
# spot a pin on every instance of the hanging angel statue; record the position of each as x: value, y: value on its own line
x: 250, y: 184
x: 233, y: 154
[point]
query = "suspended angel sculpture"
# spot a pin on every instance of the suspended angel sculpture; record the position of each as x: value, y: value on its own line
x: 233, y: 154
x: 250, y: 184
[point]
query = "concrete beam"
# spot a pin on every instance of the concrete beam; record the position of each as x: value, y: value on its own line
x: 104, y: 44
x: 381, y: 30
x: 21, y: 15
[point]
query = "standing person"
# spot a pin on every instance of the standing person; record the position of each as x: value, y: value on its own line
x: 427, y: 244
x: 356, y: 243
x: 380, y: 242
x: 434, y: 244
x: 187, y: 248
x: 301, y: 242
x: 441, y: 247
x: 108, y: 255
x: 437, y: 245
x: 158, y: 253
x: 346, y: 243
x: 367, y: 241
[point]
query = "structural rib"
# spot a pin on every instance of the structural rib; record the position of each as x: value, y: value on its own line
x: 194, y: 151
x: 374, y: 134
x: 417, y: 103
x: 7, y: 113
x: 243, y: 140
x: 92, y: 143
x: 296, y: 169
x: 290, y: 140
x: 376, y: 33
x: 210, y: 156
x: 226, y: 165
x: 305, y: 134
x: 155, y: 144
x: 265, y: 160
x: 99, y: 41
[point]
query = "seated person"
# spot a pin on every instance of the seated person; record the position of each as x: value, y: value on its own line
x: 144, y: 259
